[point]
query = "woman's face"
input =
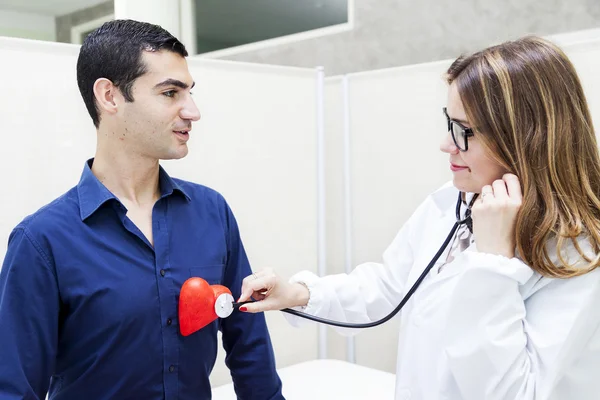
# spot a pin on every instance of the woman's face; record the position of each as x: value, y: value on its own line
x: 473, y: 168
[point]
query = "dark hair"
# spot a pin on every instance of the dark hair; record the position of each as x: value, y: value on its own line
x: 114, y: 51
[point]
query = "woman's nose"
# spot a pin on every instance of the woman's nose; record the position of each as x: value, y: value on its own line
x: 447, y: 145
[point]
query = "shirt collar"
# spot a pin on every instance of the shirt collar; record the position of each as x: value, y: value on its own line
x: 93, y: 194
x: 168, y: 185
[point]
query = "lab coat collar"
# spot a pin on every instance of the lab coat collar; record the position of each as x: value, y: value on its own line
x: 445, y: 198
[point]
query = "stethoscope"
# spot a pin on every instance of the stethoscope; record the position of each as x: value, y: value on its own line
x: 460, y: 220
x: 200, y: 303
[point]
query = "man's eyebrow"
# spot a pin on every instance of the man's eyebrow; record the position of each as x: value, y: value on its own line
x: 173, y: 82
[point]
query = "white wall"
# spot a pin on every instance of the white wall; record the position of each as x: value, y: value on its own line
x: 575, y: 38
x: 585, y: 55
x: 27, y: 25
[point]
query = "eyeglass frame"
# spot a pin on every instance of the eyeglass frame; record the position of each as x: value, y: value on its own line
x: 467, y: 132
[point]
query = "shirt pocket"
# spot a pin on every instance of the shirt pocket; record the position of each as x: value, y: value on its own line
x: 213, y: 274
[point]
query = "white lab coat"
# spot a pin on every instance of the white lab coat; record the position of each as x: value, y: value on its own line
x: 484, y: 327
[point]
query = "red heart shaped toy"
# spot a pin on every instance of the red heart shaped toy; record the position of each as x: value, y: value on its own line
x: 201, y: 303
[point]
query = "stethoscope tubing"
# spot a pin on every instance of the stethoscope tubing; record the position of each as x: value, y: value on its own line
x: 413, y: 288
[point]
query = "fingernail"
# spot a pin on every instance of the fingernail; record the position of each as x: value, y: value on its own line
x: 244, y: 309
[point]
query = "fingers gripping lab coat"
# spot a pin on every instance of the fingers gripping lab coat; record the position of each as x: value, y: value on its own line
x: 483, y: 327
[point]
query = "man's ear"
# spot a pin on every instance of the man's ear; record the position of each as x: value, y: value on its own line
x: 107, y: 96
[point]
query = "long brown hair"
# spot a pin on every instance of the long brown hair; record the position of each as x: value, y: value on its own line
x: 528, y: 108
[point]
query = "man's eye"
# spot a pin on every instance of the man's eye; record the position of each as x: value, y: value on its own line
x: 170, y: 93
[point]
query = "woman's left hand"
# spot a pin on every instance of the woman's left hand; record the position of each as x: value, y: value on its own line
x: 494, y: 216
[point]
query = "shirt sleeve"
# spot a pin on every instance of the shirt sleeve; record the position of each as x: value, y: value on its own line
x: 246, y: 338
x: 29, y: 311
x: 500, y: 346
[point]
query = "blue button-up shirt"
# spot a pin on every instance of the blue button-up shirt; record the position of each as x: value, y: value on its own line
x: 88, y: 307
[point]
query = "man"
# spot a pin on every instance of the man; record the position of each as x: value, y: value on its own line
x: 90, y: 283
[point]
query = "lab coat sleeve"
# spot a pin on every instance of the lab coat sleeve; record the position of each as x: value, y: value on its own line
x: 500, y: 347
x: 370, y: 291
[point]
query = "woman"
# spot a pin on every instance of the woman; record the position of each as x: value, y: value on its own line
x: 512, y: 310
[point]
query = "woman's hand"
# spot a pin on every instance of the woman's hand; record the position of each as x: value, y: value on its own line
x: 495, y: 214
x: 271, y: 292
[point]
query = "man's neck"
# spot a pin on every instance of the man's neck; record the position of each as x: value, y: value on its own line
x: 132, y: 179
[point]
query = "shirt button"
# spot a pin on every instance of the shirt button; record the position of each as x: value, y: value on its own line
x: 162, y: 272
x: 171, y: 368
x: 169, y: 321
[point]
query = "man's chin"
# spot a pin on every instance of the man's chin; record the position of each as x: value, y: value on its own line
x: 177, y: 154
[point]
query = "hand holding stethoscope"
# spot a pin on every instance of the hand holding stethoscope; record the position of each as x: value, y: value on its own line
x: 493, y: 213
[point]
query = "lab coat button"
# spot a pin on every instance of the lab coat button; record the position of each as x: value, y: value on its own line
x: 404, y: 394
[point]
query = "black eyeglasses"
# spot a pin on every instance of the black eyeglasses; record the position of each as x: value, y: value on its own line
x: 459, y: 132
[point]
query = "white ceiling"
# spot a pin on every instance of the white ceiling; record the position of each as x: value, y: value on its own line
x: 48, y: 7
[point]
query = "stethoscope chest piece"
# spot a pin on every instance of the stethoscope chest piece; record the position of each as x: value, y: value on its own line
x: 224, y: 305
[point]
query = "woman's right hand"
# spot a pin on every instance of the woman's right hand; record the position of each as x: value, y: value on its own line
x: 271, y: 292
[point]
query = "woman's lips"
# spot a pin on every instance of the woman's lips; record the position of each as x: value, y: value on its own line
x: 456, y: 168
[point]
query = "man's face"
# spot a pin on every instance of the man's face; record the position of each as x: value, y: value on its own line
x: 157, y: 123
